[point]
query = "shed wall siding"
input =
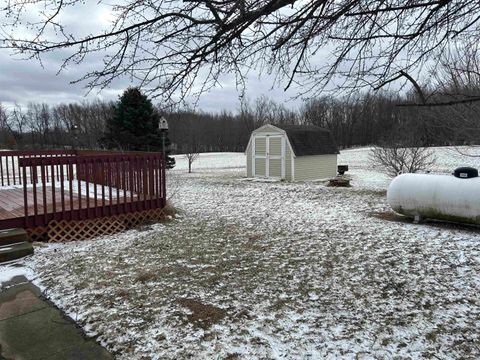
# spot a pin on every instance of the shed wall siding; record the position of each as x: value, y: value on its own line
x: 260, y: 146
x: 288, y: 163
x: 315, y: 167
x: 275, y: 168
x: 275, y: 146
x: 249, y: 160
x: 260, y: 167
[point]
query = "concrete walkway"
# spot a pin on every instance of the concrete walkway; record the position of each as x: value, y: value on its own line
x: 32, y: 328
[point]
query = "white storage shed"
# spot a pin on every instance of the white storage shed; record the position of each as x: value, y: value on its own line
x: 291, y: 152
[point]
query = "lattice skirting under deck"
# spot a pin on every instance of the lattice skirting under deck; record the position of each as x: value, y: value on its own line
x: 72, y: 230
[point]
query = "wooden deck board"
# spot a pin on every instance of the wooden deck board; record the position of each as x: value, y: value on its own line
x: 12, y: 201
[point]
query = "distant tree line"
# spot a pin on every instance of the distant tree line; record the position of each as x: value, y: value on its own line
x: 354, y: 121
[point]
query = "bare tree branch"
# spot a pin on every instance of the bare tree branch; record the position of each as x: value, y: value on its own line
x: 180, y: 48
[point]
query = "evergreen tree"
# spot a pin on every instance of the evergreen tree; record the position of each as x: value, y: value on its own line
x: 134, y: 126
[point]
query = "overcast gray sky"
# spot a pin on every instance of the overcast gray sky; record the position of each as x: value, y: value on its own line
x: 24, y: 81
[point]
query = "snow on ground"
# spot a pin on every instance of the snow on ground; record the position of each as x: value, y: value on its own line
x: 274, y: 270
x: 212, y: 161
x: 365, y: 175
x: 75, y: 187
x: 447, y: 158
x: 13, y: 269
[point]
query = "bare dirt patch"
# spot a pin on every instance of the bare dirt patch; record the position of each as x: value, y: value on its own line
x: 145, y: 276
x: 339, y: 183
x: 203, y: 315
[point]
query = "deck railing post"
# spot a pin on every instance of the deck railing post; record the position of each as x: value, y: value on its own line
x: 44, y: 193
x: 70, y: 188
x: 102, y: 164
x: 78, y: 166
x: 35, y: 208
x: 62, y: 189
x: 1, y: 169
x: 13, y: 171
x: 54, y: 200
x: 117, y: 182
x: 86, y: 166
x: 124, y: 184
x: 95, y: 181
x: 110, y: 200
x: 145, y: 181
x: 8, y: 173
x: 164, y: 195
x: 25, y: 196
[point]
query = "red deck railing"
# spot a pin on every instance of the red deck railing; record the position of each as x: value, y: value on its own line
x: 84, y: 185
x: 10, y: 172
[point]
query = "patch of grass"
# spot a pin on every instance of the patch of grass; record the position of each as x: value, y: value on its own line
x: 279, y: 304
x: 233, y: 356
x: 143, y: 227
x: 145, y: 276
x: 379, y: 193
x: 170, y: 210
x: 122, y: 293
x: 394, y: 217
x: 390, y: 216
x: 431, y: 336
x: 339, y: 183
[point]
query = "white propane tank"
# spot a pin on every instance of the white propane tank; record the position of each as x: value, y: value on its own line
x: 442, y: 197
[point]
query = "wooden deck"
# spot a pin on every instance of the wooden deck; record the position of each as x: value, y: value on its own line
x: 12, y: 202
x: 39, y: 187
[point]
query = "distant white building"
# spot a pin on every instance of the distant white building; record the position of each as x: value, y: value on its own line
x: 291, y: 152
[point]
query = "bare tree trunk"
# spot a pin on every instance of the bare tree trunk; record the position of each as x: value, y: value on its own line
x: 191, y: 157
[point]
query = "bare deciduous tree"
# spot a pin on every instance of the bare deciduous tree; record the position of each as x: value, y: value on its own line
x: 17, y: 124
x: 401, y: 152
x: 395, y: 160
x: 454, y: 90
x: 170, y: 46
x: 191, y: 157
x: 5, y: 134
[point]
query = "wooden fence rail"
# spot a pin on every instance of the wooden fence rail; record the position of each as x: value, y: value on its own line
x: 105, y: 185
x: 10, y: 172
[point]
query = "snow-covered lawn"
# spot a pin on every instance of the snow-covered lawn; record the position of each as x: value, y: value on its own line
x: 274, y: 270
x: 211, y: 162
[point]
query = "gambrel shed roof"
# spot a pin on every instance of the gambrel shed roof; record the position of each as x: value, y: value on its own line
x: 309, y: 140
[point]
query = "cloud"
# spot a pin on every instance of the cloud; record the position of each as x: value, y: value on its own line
x: 24, y: 81
x: 227, y: 96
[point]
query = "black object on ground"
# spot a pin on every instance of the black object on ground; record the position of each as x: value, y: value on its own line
x: 14, y: 244
x: 465, y: 172
x: 342, y: 169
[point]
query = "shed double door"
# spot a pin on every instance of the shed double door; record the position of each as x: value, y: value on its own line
x: 269, y: 156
